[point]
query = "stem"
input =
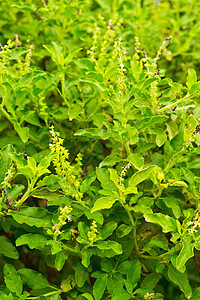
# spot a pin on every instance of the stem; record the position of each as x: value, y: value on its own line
x: 72, y: 250
x: 48, y: 294
x: 134, y: 228
x: 187, y: 97
x: 63, y: 88
x: 27, y: 194
x: 128, y: 150
x: 4, y: 112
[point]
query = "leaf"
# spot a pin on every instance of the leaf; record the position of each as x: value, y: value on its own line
x: 87, y: 181
x: 150, y: 281
x: 22, y: 131
x: 103, y: 203
x: 5, y: 161
x: 110, y: 161
x: 136, y: 160
x: 108, y: 229
x: 68, y: 284
x: 184, y: 255
x: 146, y: 122
x: 74, y: 111
x: 7, y: 248
x: 161, y: 136
x: 167, y: 223
x: 119, y: 294
x: 15, y: 191
x: 17, y: 53
x: 34, y: 279
x: 94, y: 133
x: 123, y: 230
x: 33, y: 216
x: 103, y: 176
x: 48, y: 180
x: 12, y: 279
x: 80, y: 274
x: 32, y: 240
x: 141, y: 175
x: 191, y: 78
x: 100, y: 286
x: 61, y: 257
x: 134, y: 272
x: 83, y: 230
x: 88, y: 296
x: 86, y: 255
x: 56, y: 246
x: 106, y: 245
x: 173, y: 204
x: 181, y: 280
x: 196, y: 294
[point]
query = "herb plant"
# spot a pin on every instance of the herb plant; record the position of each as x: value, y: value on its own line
x: 100, y: 144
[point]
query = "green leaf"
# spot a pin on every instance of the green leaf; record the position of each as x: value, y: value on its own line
x: 181, y: 280
x: 110, y: 161
x: 173, y: 204
x: 187, y: 252
x: 32, y: 240
x: 7, y: 248
x: 191, y: 78
x: 167, y: 223
x: 114, y: 176
x: 34, y: 279
x: 15, y: 191
x: 119, y: 294
x: 196, y: 294
x: 83, y: 230
x: 108, y: 229
x: 33, y: 216
x: 80, y: 274
x: 106, y: 245
x: 161, y: 136
x: 61, y: 257
x: 86, y: 255
x: 48, y: 180
x: 56, y: 246
x: 136, y: 160
x: 103, y: 203
x: 103, y: 176
x: 74, y: 111
x: 141, y: 175
x: 68, y: 284
x: 12, y: 279
x: 150, y: 281
x: 100, y: 286
x: 93, y: 133
x: 149, y: 121
x: 123, y: 230
x: 88, y: 296
x: 5, y: 161
x: 87, y: 181
x: 134, y: 272
x: 22, y: 131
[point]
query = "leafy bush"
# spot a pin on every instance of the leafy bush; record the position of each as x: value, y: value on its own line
x: 100, y: 144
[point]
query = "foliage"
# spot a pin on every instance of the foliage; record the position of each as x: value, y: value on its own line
x: 100, y: 144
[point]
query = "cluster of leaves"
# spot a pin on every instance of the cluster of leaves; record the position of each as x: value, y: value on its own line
x: 100, y: 144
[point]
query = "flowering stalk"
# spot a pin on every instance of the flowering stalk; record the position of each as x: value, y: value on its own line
x: 69, y: 175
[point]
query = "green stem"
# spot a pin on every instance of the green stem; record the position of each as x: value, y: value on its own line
x: 4, y: 112
x: 134, y: 228
x: 27, y: 194
x: 63, y: 88
x: 48, y: 294
x: 187, y: 97
x: 72, y: 250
